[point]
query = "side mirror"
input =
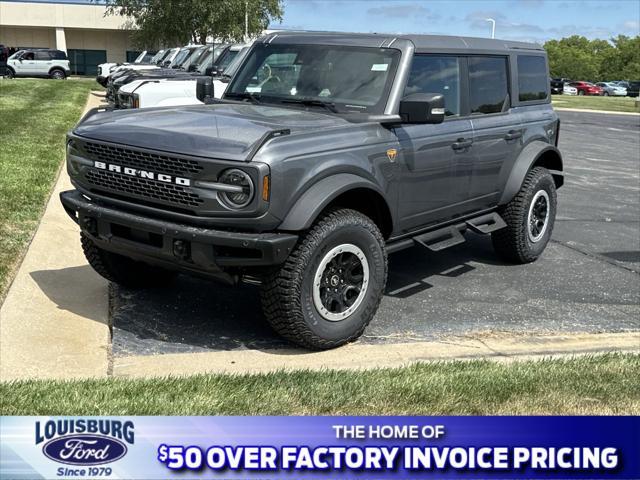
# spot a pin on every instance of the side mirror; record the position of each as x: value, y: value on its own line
x: 204, y: 89
x: 192, y: 68
x: 208, y: 71
x: 422, y: 108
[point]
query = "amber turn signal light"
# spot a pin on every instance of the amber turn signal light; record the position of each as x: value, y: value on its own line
x: 265, y: 188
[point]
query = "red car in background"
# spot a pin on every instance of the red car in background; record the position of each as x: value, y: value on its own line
x: 586, y: 88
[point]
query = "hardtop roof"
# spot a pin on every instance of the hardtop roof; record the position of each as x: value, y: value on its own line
x: 421, y: 42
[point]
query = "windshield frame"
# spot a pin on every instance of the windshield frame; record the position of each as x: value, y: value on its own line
x: 237, y: 91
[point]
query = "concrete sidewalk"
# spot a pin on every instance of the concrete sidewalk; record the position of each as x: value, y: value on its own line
x: 54, y: 320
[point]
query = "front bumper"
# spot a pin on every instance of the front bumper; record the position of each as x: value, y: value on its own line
x: 175, y: 246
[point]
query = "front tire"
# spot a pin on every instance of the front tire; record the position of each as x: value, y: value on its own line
x: 330, y: 286
x: 530, y: 217
x: 123, y: 270
x: 9, y: 73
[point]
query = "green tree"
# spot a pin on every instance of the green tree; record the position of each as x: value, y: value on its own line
x: 579, y: 58
x: 176, y: 22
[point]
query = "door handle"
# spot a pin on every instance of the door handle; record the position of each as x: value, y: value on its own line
x: 513, y: 134
x: 462, y: 143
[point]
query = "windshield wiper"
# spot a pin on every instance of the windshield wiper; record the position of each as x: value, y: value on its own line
x: 252, y: 97
x: 313, y: 102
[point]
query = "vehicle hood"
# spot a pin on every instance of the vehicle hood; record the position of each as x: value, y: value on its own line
x: 225, y: 131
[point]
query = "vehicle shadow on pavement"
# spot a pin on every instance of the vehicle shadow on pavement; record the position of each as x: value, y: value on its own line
x: 75, y: 289
x: 196, y: 315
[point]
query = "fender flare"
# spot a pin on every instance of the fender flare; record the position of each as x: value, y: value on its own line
x: 319, y: 195
x: 527, y: 158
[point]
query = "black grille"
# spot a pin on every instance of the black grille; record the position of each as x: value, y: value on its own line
x: 142, y: 160
x: 141, y: 186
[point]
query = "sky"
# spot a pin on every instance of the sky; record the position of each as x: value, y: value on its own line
x: 527, y: 20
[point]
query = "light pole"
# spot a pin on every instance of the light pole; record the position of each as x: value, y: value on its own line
x: 493, y: 26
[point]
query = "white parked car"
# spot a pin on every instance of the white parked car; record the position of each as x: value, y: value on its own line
x: 613, y: 89
x: 569, y: 90
x: 163, y: 92
x: 38, y: 62
x: 105, y: 70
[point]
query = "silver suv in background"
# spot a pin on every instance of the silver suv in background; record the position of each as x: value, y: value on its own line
x: 38, y: 62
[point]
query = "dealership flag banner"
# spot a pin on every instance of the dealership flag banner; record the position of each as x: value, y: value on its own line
x: 319, y: 447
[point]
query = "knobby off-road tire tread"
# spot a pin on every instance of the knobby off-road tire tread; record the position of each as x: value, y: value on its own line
x: 511, y: 242
x: 121, y: 270
x: 281, y: 288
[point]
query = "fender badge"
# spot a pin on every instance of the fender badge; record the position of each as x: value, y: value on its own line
x: 392, y: 153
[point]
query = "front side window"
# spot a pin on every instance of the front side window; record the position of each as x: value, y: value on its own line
x: 344, y: 79
x: 488, y: 89
x: 436, y: 74
x: 28, y: 56
x: 532, y: 78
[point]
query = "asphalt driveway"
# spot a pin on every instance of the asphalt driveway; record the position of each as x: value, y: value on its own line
x: 588, y: 280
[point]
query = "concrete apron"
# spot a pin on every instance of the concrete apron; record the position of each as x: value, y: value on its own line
x: 54, y: 323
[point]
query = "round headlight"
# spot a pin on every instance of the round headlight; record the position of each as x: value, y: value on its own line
x: 240, y: 196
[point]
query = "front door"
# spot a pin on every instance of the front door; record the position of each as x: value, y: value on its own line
x: 431, y: 157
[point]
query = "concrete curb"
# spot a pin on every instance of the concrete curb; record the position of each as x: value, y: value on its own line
x: 356, y: 356
x: 54, y: 320
x: 586, y: 110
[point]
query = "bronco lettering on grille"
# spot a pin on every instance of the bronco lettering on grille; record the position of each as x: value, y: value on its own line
x: 135, y: 172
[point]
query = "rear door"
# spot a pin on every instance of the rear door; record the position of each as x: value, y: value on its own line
x: 497, y: 130
x: 43, y: 62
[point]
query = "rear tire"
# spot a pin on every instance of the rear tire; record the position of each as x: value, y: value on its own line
x: 530, y: 217
x: 122, y: 270
x: 57, y: 74
x: 330, y: 286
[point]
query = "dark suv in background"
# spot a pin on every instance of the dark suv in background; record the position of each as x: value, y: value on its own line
x: 326, y: 153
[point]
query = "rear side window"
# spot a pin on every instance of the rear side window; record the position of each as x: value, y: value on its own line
x: 42, y: 55
x: 488, y: 89
x: 532, y: 78
x: 434, y: 74
x: 58, y: 55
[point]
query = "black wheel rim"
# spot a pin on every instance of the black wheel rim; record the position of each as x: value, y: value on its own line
x: 538, y: 216
x: 340, y: 282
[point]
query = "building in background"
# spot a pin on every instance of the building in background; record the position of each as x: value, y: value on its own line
x: 80, y: 28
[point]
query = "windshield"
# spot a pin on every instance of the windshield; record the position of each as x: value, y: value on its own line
x: 156, y: 58
x: 232, y: 68
x: 17, y: 54
x: 345, y: 79
x: 140, y: 57
x: 205, y: 62
x: 181, y: 57
x: 195, y: 57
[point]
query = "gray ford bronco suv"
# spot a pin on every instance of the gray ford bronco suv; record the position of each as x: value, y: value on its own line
x: 327, y: 152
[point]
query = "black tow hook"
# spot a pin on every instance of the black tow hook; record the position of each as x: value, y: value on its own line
x: 90, y: 225
x: 181, y: 249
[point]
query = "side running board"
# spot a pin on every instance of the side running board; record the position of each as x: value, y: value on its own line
x: 486, y: 223
x: 451, y: 235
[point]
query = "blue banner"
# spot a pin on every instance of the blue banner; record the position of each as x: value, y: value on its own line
x: 319, y: 447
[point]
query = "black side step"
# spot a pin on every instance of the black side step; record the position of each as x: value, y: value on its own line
x: 440, y: 239
x: 486, y: 223
x: 450, y: 235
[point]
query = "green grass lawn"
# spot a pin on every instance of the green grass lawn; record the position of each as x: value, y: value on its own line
x: 615, y: 104
x: 602, y: 384
x: 34, y: 117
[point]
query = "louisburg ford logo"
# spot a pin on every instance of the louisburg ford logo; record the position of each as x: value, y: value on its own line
x: 84, y: 442
x: 135, y: 172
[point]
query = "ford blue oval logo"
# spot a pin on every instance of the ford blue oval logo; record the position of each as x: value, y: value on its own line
x: 84, y: 449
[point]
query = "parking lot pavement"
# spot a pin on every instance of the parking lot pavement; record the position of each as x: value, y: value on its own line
x: 588, y: 280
